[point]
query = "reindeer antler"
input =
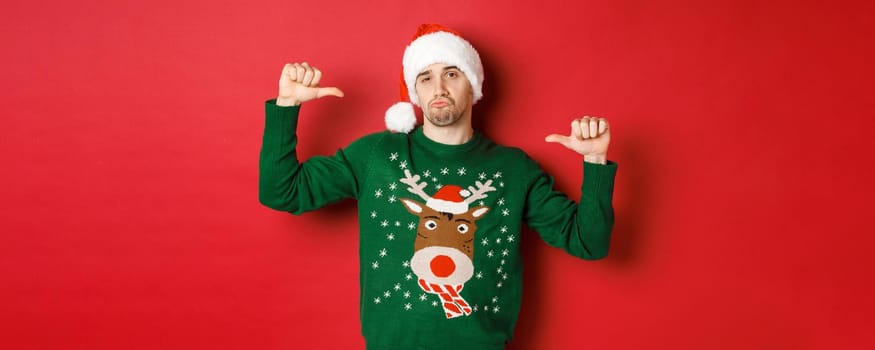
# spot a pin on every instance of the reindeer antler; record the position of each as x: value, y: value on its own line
x: 480, y: 191
x: 415, y: 186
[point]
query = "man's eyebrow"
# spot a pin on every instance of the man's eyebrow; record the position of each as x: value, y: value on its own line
x: 428, y: 71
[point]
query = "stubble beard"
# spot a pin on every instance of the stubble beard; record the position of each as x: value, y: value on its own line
x: 445, y: 116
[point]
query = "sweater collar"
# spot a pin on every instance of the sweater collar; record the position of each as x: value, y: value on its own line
x: 437, y: 147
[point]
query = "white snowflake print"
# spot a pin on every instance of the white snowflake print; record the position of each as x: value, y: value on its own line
x: 495, y: 309
x: 411, y: 226
x: 434, y: 303
x: 422, y: 297
x: 403, y: 164
x: 499, y: 284
x: 486, y: 308
x: 390, y: 236
x: 503, y: 229
x: 434, y: 179
x: 494, y: 299
x: 445, y: 171
x: 426, y: 173
x: 393, y: 156
x: 501, y: 201
x: 408, y: 277
x: 461, y: 171
x: 482, y: 203
x: 496, y: 175
x: 499, y: 270
x: 397, y: 286
x: 505, y: 212
x: 377, y: 300
x: 406, y: 294
x: 406, y: 263
x: 485, y: 241
x: 479, y: 275
x: 375, y: 265
x: 393, y: 186
x: 504, y: 276
x: 392, y: 199
x: 373, y: 215
x: 408, y: 306
x: 498, y: 240
x: 397, y: 223
x: 384, y: 223
x: 481, y: 176
x: 502, y: 261
x: 383, y: 252
x: 501, y: 184
x: 378, y: 193
x: 387, y: 294
x: 476, y: 308
x: 505, y: 252
x: 490, y: 254
x: 510, y: 238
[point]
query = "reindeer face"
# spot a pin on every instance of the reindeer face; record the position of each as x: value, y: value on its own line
x: 444, y: 246
x: 445, y: 229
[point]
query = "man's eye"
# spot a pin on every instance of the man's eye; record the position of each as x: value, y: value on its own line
x: 451, y: 74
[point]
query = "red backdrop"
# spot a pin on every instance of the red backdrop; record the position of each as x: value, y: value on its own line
x: 130, y: 138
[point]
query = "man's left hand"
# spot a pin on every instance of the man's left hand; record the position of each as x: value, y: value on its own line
x: 590, y: 137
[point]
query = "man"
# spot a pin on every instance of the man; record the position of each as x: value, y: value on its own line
x: 441, y: 208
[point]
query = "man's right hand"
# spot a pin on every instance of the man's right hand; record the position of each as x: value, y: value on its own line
x: 299, y: 83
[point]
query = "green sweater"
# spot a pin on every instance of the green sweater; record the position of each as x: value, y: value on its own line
x: 439, y: 251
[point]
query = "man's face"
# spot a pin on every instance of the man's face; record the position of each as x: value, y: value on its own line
x: 444, y: 93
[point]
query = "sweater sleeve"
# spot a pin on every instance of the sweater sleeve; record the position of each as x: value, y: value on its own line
x: 584, y: 229
x: 286, y: 184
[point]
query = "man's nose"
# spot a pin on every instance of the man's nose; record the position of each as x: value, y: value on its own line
x: 440, y: 89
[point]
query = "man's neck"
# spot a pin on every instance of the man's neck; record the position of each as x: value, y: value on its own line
x: 456, y: 134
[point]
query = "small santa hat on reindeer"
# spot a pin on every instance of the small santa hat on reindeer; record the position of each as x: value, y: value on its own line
x: 449, y: 199
x: 433, y: 43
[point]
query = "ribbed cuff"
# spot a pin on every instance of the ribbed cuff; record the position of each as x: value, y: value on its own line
x: 280, y: 118
x: 598, y: 179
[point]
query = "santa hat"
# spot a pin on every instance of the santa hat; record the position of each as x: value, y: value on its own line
x: 449, y: 199
x: 432, y: 44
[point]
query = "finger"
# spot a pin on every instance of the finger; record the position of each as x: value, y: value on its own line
x: 317, y: 76
x: 603, y: 126
x: 289, y: 71
x: 575, y: 129
x: 308, y: 76
x: 584, y: 128
x: 560, y: 139
x: 593, y: 127
x: 329, y: 91
x: 299, y: 72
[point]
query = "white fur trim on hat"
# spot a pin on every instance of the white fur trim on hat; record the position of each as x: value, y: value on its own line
x: 400, y: 117
x: 445, y: 206
x: 446, y: 48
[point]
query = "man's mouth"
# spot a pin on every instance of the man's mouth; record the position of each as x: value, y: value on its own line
x: 439, y: 104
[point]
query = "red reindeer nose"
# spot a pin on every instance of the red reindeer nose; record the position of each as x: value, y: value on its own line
x: 442, y: 266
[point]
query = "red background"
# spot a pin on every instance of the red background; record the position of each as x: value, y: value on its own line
x: 130, y: 138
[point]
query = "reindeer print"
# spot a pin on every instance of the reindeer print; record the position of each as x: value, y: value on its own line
x: 443, y: 251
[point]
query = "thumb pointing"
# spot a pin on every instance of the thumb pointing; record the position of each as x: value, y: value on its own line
x: 564, y: 140
x: 329, y: 91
